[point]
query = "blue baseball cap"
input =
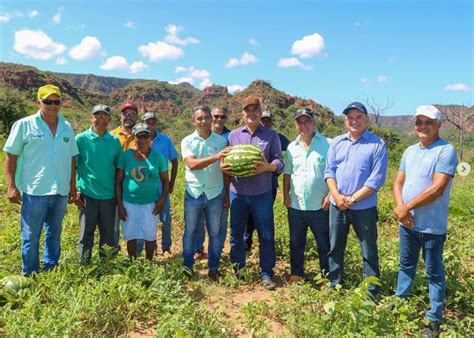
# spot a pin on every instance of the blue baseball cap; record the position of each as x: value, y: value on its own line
x: 355, y: 105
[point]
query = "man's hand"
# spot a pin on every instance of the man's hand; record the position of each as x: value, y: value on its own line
x: 287, y: 201
x: 225, y: 168
x: 221, y: 154
x: 171, y: 187
x: 403, y: 215
x: 14, y: 195
x: 263, y: 166
x: 341, y: 202
x: 122, y: 212
x: 72, y: 195
x: 78, y: 201
x: 325, y: 203
x: 159, y: 204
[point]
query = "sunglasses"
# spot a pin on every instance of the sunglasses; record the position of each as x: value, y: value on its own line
x: 219, y: 117
x: 426, y: 123
x: 132, y: 114
x: 50, y: 102
x: 142, y: 136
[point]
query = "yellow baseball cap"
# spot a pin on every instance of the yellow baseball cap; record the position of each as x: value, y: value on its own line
x: 45, y: 91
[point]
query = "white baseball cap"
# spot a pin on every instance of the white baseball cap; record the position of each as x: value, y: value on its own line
x: 429, y: 111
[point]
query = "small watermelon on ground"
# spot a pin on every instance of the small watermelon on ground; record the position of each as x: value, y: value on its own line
x: 15, y: 283
x: 241, y: 159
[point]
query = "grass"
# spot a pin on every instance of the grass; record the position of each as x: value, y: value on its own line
x: 117, y: 296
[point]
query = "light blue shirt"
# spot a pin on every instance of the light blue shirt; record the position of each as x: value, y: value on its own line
x: 420, y: 165
x: 354, y: 164
x: 44, y: 160
x: 163, y: 145
x: 306, y: 168
x: 208, y: 180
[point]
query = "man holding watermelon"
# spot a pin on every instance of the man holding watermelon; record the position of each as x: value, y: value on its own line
x: 251, y: 190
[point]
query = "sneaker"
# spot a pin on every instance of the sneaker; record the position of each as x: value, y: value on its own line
x: 295, y: 279
x: 187, y: 272
x: 199, y: 255
x: 213, y: 275
x: 167, y: 253
x: 431, y: 331
x: 267, y: 283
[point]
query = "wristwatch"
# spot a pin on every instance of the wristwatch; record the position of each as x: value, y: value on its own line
x: 353, y: 199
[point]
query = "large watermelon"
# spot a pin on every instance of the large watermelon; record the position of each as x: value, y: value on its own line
x: 241, y: 159
x: 15, y: 283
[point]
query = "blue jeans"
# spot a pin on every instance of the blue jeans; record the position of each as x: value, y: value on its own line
x: 165, y: 219
x: 432, y: 247
x: 261, y: 209
x: 36, y: 212
x: 318, y: 222
x: 200, y: 233
x: 194, y: 209
x: 364, y: 223
x: 248, y: 235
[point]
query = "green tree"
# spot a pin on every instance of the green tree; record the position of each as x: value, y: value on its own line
x: 12, y: 108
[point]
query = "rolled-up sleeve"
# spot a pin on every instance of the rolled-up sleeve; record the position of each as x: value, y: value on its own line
x: 379, y: 168
x: 330, y: 170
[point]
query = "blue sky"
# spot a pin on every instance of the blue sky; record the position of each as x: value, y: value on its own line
x: 335, y: 52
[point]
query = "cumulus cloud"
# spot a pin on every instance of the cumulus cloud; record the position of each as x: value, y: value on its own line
x: 37, y: 45
x: 89, y: 48
x: 173, y: 38
x: 58, y: 16
x: 205, y: 83
x: 254, y: 42
x: 458, y: 87
x: 61, y: 61
x: 235, y: 88
x: 309, y: 46
x: 129, y: 24
x: 383, y: 79
x: 245, y: 59
x: 120, y: 63
x: 7, y: 16
x: 187, y: 79
x: 159, y: 50
x: 293, y: 62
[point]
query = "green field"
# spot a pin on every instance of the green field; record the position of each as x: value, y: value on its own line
x: 119, y: 297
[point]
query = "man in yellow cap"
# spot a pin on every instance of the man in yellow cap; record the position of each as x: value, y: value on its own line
x: 40, y: 176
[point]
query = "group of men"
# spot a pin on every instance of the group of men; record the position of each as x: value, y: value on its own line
x: 327, y: 186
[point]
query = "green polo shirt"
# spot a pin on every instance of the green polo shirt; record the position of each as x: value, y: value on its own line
x: 306, y: 168
x: 142, y: 182
x: 208, y: 180
x: 44, y: 159
x: 96, y: 164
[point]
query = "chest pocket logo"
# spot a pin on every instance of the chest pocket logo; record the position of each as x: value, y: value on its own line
x: 66, y: 139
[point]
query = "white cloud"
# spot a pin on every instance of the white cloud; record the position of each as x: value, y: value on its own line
x: 173, y: 38
x: 61, y: 61
x: 364, y: 81
x: 32, y: 13
x: 309, y: 46
x: 187, y: 79
x: 383, y: 79
x: 200, y: 74
x: 89, y: 48
x: 138, y: 67
x: 458, y: 87
x: 120, y: 63
x: 129, y: 24
x: 58, y: 16
x: 235, y: 88
x: 180, y: 69
x: 293, y: 62
x: 158, y: 51
x: 6, y: 17
x: 37, y: 45
x: 254, y: 42
x: 205, y: 83
x: 245, y: 59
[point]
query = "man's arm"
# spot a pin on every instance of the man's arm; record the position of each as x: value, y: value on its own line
x: 13, y: 193
x: 226, y: 188
x: 201, y: 163
x: 72, y: 184
x: 403, y: 215
x: 286, y: 190
x: 338, y: 198
x: 174, y: 172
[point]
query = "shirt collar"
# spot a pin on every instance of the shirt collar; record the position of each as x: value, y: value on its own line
x: 366, y: 135
x: 94, y: 135
x: 196, y: 135
x: 316, y: 136
x: 259, y: 127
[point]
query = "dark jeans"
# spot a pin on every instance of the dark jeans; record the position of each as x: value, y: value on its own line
x: 364, y: 223
x: 96, y: 213
x: 318, y: 222
x: 248, y: 235
x: 261, y: 208
x: 432, y: 248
